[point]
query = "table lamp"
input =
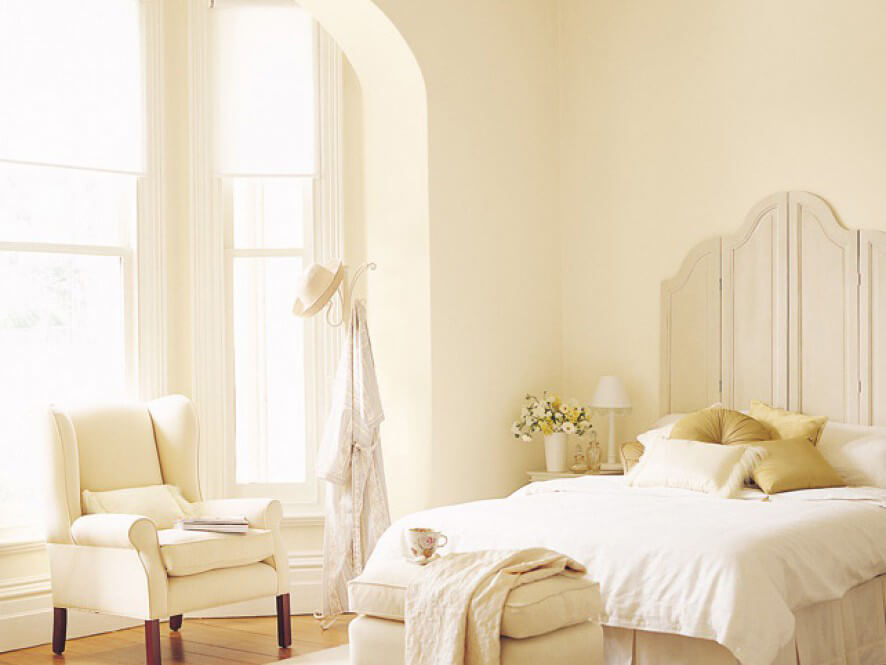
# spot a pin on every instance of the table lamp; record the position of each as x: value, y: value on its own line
x: 611, y: 397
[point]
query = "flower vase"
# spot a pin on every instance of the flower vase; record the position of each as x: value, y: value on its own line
x: 555, y: 452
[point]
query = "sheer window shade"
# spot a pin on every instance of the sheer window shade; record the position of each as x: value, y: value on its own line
x: 264, y: 77
x: 80, y: 102
x: 74, y: 186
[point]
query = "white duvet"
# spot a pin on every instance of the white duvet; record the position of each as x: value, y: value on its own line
x: 729, y: 570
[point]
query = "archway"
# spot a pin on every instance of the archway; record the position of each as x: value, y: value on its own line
x: 395, y: 177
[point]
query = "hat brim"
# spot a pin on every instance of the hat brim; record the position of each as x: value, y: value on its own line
x: 301, y: 309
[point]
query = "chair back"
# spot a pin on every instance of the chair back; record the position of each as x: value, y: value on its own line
x: 116, y: 446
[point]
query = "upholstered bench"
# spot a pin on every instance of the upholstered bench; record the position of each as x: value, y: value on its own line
x: 553, y: 621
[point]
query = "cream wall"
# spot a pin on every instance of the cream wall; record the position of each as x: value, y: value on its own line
x: 494, y: 243
x: 675, y: 118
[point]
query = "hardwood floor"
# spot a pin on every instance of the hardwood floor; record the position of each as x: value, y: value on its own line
x: 249, y: 641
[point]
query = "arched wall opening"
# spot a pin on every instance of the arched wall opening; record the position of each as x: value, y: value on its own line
x: 396, y: 213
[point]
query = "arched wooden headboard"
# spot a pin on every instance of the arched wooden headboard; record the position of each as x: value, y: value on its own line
x: 790, y: 310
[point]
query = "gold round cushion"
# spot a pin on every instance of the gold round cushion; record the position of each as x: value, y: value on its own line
x: 719, y: 425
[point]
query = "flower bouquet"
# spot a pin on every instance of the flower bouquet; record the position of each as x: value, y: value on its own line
x: 555, y: 419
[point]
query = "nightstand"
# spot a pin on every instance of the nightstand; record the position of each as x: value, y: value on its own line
x: 551, y: 475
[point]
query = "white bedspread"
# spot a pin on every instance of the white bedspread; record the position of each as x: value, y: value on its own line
x: 729, y: 570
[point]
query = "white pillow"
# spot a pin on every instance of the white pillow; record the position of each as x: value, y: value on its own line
x: 162, y: 504
x: 860, y: 461
x: 649, y: 437
x: 692, y: 465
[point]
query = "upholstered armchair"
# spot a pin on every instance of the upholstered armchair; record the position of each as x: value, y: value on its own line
x: 123, y: 564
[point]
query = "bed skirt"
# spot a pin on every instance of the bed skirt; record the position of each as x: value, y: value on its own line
x: 848, y: 631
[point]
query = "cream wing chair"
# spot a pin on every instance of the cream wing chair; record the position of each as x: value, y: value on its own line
x: 123, y: 564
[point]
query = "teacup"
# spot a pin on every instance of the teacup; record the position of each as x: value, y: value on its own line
x: 422, y: 543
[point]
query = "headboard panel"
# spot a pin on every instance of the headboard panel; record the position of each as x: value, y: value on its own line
x: 791, y: 309
x: 690, y: 340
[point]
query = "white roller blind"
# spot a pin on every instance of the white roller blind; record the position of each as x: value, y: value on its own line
x: 71, y: 83
x: 264, y: 85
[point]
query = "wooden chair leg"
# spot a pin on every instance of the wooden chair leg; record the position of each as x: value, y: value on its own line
x: 284, y: 621
x: 59, y: 629
x: 152, y: 642
x: 175, y: 622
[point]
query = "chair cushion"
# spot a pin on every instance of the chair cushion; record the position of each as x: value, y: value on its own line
x: 531, y: 609
x: 162, y: 504
x: 192, y: 552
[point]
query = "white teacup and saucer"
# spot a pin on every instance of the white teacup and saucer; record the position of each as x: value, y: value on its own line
x: 422, y: 544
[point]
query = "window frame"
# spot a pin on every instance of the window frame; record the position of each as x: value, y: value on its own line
x: 142, y: 256
x: 213, y: 275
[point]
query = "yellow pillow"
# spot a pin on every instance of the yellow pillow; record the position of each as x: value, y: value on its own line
x: 788, y: 424
x: 718, y: 425
x: 793, y: 464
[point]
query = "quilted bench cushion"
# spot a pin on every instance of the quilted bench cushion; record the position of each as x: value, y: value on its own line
x: 531, y: 609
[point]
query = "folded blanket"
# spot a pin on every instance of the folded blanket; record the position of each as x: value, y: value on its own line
x: 453, y: 610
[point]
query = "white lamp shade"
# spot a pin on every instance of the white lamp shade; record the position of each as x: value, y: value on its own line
x: 610, y: 394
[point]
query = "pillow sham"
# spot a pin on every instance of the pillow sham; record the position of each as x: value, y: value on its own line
x: 793, y: 464
x: 162, y: 504
x: 719, y: 425
x: 860, y: 461
x: 788, y: 424
x: 695, y: 465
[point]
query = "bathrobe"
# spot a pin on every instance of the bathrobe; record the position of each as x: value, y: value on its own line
x: 350, y: 460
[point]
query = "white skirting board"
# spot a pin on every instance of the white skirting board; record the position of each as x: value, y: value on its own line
x: 26, y: 606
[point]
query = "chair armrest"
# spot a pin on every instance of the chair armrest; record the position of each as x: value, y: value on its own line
x: 115, y: 530
x: 261, y: 513
x: 130, y: 536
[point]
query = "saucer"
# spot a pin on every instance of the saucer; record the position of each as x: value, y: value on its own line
x: 422, y: 561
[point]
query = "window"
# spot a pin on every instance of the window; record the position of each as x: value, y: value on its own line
x: 270, y: 170
x: 74, y: 191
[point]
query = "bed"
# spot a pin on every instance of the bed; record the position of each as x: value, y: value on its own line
x: 750, y: 580
x: 790, y: 310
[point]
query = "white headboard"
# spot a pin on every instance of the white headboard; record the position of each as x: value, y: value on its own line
x: 791, y: 310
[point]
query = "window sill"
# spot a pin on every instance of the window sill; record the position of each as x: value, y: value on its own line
x: 18, y: 540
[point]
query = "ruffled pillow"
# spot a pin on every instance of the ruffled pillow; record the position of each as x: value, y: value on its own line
x: 694, y: 465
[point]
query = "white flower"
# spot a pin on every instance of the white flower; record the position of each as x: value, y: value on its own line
x: 563, y: 408
x: 515, y: 428
x: 526, y: 437
x: 568, y: 427
x: 538, y: 411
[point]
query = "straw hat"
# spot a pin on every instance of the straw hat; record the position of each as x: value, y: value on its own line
x: 316, y: 286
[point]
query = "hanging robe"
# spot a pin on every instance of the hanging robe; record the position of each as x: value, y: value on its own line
x: 350, y: 460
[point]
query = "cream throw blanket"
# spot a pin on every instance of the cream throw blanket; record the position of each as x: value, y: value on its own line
x: 453, y: 610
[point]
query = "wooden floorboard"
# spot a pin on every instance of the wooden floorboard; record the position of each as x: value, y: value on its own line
x: 243, y: 641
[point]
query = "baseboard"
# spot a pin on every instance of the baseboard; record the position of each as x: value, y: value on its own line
x: 26, y: 616
x: 26, y: 606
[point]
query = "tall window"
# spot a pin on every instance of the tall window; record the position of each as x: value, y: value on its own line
x: 272, y: 106
x: 72, y: 184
